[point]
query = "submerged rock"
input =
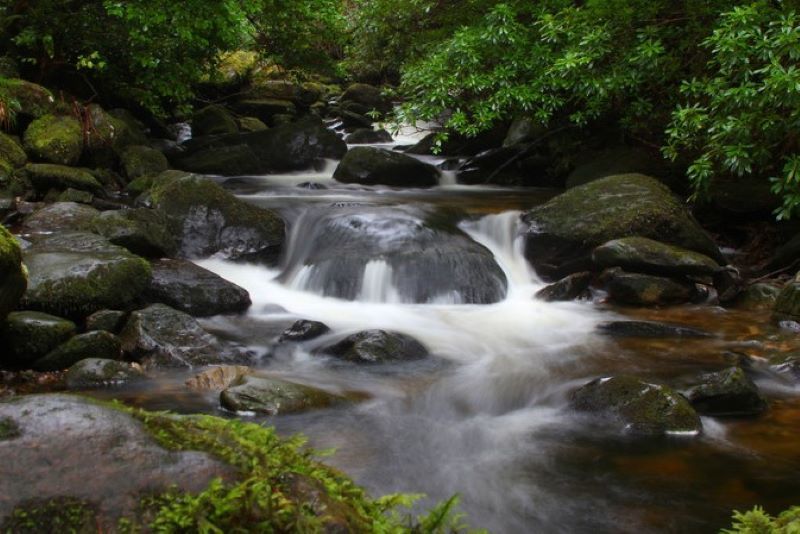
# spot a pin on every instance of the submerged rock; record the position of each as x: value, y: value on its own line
x: 569, y: 288
x: 93, y: 373
x: 274, y: 397
x: 303, y: 331
x: 646, y: 290
x: 27, y: 336
x: 376, y: 346
x: 643, y: 255
x: 13, y: 277
x: 96, y: 344
x: 636, y: 406
x: 648, y: 329
x: 727, y: 393
x: 376, y: 166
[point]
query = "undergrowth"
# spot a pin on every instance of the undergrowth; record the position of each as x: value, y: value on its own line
x: 757, y: 521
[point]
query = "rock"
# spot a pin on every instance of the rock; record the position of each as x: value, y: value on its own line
x: 266, y: 109
x: 108, y: 320
x: 138, y: 160
x: 194, y: 290
x: 368, y: 96
x: 636, y: 406
x: 74, y: 195
x: 497, y: 166
x: 77, y: 274
x: 354, y: 121
x: 787, y: 306
x: 368, y: 136
x: 13, y: 276
x: 11, y: 151
x: 376, y: 346
x: 59, y: 217
x: 92, y: 373
x: 643, y: 255
x: 562, y: 233
x: 225, y: 161
x: 786, y: 365
x: 274, y: 397
x: 375, y: 166
x: 106, y: 135
x: 217, y: 378
x: 34, y: 100
x: 27, y: 336
x: 96, y: 344
x: 758, y: 296
x: 136, y: 132
x: 303, y: 331
x: 646, y: 290
x: 46, y: 176
x: 142, y: 231
x: 458, y: 145
x: 570, y: 288
x: 743, y: 195
x: 162, y: 336
x: 251, y: 124
x: 523, y: 130
x: 205, y: 219
x: 213, y: 120
x: 649, y: 330
x: 727, y: 393
x: 595, y: 164
x: 73, y: 447
x: 55, y: 139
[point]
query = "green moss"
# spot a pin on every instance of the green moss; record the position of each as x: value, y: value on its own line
x: 138, y: 160
x: 34, y: 100
x: 9, y: 429
x: 65, y: 515
x: 55, y: 139
x: 13, y: 277
x: 11, y: 151
x: 46, y: 176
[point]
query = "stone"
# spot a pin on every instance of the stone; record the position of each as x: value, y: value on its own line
x: 787, y: 306
x: 523, y: 130
x: 191, y: 289
x: 758, y: 296
x: 592, y: 165
x: 60, y: 217
x: 570, y: 288
x: 11, y: 151
x: 368, y: 136
x: 55, y: 139
x: 251, y: 124
x: 108, y: 320
x: 727, y: 393
x: 213, y: 120
x: 354, y: 121
x: 647, y: 290
x: 648, y: 330
x: 13, y: 275
x: 742, y: 196
x: 368, y: 96
x: 637, y: 407
x: 27, y: 336
x: 106, y: 136
x: 34, y: 100
x: 266, y: 109
x: 217, y: 378
x: 139, y: 160
x: 643, y: 255
x: 303, y: 331
x: 375, y: 346
x: 96, y: 344
x: 93, y: 373
x: 375, y: 166
x: 74, y: 195
x: 561, y: 234
x: 45, y: 176
x: 142, y: 231
x: 272, y: 396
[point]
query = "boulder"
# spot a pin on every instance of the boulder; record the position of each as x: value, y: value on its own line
x: 523, y: 130
x: 637, y: 407
x: 592, y: 165
x: 648, y: 330
x: 108, y: 320
x: 60, y: 217
x: 741, y: 196
x: 643, y: 255
x: 28, y: 336
x: 251, y: 124
x: 303, y: 331
x: 368, y: 96
x: 458, y: 145
x: 787, y: 306
x: 375, y: 166
x: 55, y: 139
x: 354, y: 121
x: 11, y: 151
x: 561, y: 233
x: 375, y: 346
x: 142, y: 231
x: 727, y: 393
x: 570, y: 288
x: 96, y: 344
x: 160, y: 336
x: 44, y: 176
x: 266, y: 109
x: 13, y: 276
x: 213, y: 120
x: 106, y: 136
x: 194, y: 290
x: 77, y: 274
x: 139, y: 160
x: 34, y: 100
x: 205, y: 219
x: 758, y: 296
x: 93, y: 373
x: 647, y: 290
x: 273, y: 396
x: 368, y: 136
x: 74, y: 195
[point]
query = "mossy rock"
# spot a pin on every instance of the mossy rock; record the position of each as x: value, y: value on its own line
x: 368, y: 136
x: 11, y: 151
x: 35, y: 101
x: 368, y: 96
x: 354, y: 121
x: 561, y: 233
x: 144, y: 183
x: 236, y: 160
x: 55, y: 139
x: 92, y: 373
x: 727, y: 393
x: 139, y: 160
x: 265, y: 109
x: 108, y: 320
x: 106, y: 136
x: 13, y: 275
x: 45, y: 176
x: 213, y: 120
x: 787, y: 306
x: 637, y: 407
x: 251, y: 124
x: 375, y: 166
x: 28, y: 336
x: 643, y: 255
x: 74, y: 195
x: 97, y: 344
x: 142, y: 231
x: 758, y: 296
x: 646, y: 290
x: 60, y: 216
x: 274, y: 397
x: 135, y: 131
x: 376, y: 346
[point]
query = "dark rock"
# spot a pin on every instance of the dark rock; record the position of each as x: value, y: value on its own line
x: 303, y: 331
x: 570, y: 288
x: 312, y: 186
x: 647, y: 329
x: 106, y: 135
x: 375, y: 166
x: 142, y: 231
x: 523, y: 130
x: 595, y: 164
x: 351, y: 120
x: 27, y: 336
x: 272, y: 396
x: 59, y: 217
x: 376, y: 346
x: 108, y: 320
x: 92, y: 373
x: 743, y: 195
x: 458, y: 145
x: 266, y: 109
x: 368, y: 96
x: 787, y: 306
x: 213, y: 120
x: 34, y: 100
x: 74, y: 195
x: 11, y: 151
x: 368, y: 136
x: 218, y: 377
x: 251, y: 124
x: 138, y: 160
x: 636, y: 406
x: 45, y: 176
x: 647, y: 290
x: 194, y: 290
x: 643, y: 255
x: 13, y: 278
x: 727, y: 393
x: 55, y: 139
x: 96, y: 344
x: 562, y: 233
x: 758, y: 296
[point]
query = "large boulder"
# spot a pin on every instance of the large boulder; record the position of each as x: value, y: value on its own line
x: 194, y: 290
x: 28, y: 336
x: 376, y: 166
x: 139, y: 160
x: 205, y: 219
x: 643, y: 255
x: 92, y: 373
x: 368, y: 136
x: 13, y: 276
x: 637, y: 407
x: 647, y: 290
x: 76, y: 274
x: 142, y: 231
x: 273, y: 396
x: 562, y: 233
x: 55, y: 139
x: 367, y: 96
x: 60, y: 217
x: 96, y: 344
x: 46, y: 176
x: 376, y: 346
x: 213, y: 120
x: 727, y: 393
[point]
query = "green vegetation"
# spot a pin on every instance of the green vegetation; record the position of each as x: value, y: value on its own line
x: 757, y: 521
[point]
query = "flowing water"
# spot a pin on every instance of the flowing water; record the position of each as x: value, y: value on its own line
x: 487, y: 416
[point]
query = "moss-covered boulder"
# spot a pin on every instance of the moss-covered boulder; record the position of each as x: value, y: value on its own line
x: 303, y: 330
x: 266, y: 109
x: 251, y: 124
x: 569, y: 288
x: 727, y: 393
x: 75, y: 195
x: 637, y: 407
x: 205, y: 219
x: 106, y: 136
x: 375, y: 166
x: 34, y: 100
x: 376, y: 346
x: 55, y: 139
x: 647, y: 290
x: 108, y: 320
x: 13, y: 276
x: 643, y: 255
x: 561, y: 234
x: 368, y: 136
x: 59, y: 217
x: 213, y: 120
x: 368, y: 96
x: 139, y: 160
x: 143, y: 184
x: 46, y: 176
x: 76, y: 274
x: 142, y: 231
x: 95, y: 344
x: 27, y: 336
x: 273, y: 396
x: 11, y: 151
x: 92, y: 373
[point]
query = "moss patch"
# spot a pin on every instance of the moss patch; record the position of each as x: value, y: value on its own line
x: 55, y: 139
x: 66, y: 515
x: 9, y: 429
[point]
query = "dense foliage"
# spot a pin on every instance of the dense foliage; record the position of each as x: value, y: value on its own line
x: 757, y: 521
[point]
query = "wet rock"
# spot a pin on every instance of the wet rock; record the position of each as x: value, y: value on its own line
x: 106, y: 135
x: 213, y: 120
x: 636, y: 406
x: 142, y: 231
x: 312, y: 186
x: 60, y: 216
x: 570, y: 288
x: 458, y: 145
x: 368, y: 136
x: 647, y: 329
x: 96, y: 344
x: 108, y: 320
x: 743, y: 195
x: 160, y: 336
x: 523, y: 130
x: 194, y: 290
x: 77, y: 274
x: 91, y: 373
x: 27, y: 336
x: 11, y: 151
x: 562, y: 233
x: 354, y: 121
x: 515, y: 166
x: 251, y: 124
x: 217, y: 378
x: 376, y: 346
x: 74, y: 195
x: 727, y: 393
x: 272, y: 396
x: 367, y: 96
x: 55, y: 139
x: 787, y: 306
x: 13, y: 277
x: 786, y: 365
x: 375, y: 166
x: 45, y: 176
x: 646, y: 290
x: 643, y: 255
x: 303, y: 331
x: 758, y: 296
x: 34, y: 100
x: 139, y: 160
x: 266, y: 109
x: 205, y: 219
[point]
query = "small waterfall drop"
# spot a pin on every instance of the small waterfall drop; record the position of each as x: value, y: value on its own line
x: 378, y: 283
